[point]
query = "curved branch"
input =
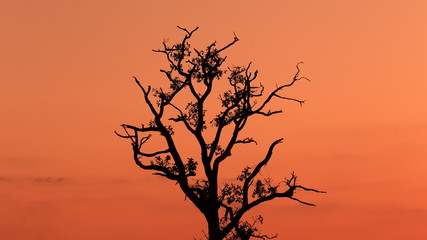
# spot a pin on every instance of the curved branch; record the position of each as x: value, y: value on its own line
x: 164, y: 171
x: 153, y: 154
x: 257, y: 169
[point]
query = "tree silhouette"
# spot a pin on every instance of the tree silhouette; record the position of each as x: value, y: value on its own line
x: 194, y: 72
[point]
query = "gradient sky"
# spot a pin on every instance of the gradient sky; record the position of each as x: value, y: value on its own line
x: 65, y: 72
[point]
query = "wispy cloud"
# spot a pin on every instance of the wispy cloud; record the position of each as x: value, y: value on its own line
x: 5, y: 179
x: 48, y: 179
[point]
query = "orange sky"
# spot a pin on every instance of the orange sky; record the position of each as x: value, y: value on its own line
x: 65, y: 71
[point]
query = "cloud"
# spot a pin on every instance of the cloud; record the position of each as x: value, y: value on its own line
x: 48, y: 179
x: 5, y: 179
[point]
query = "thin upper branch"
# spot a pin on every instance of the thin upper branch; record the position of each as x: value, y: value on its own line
x: 275, y: 92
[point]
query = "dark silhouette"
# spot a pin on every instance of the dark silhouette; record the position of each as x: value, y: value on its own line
x: 194, y: 72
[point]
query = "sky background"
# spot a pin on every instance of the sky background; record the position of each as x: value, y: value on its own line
x: 66, y: 72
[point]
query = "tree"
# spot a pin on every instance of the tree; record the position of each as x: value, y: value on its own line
x: 194, y: 72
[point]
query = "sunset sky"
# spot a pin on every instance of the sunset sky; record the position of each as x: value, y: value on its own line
x: 66, y: 72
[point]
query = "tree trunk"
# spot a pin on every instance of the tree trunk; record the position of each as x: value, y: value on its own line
x: 214, y: 232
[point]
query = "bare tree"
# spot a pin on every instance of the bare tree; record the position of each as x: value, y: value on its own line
x: 193, y: 72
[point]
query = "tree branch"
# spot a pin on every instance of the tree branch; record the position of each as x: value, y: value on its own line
x: 274, y: 93
x: 257, y: 169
